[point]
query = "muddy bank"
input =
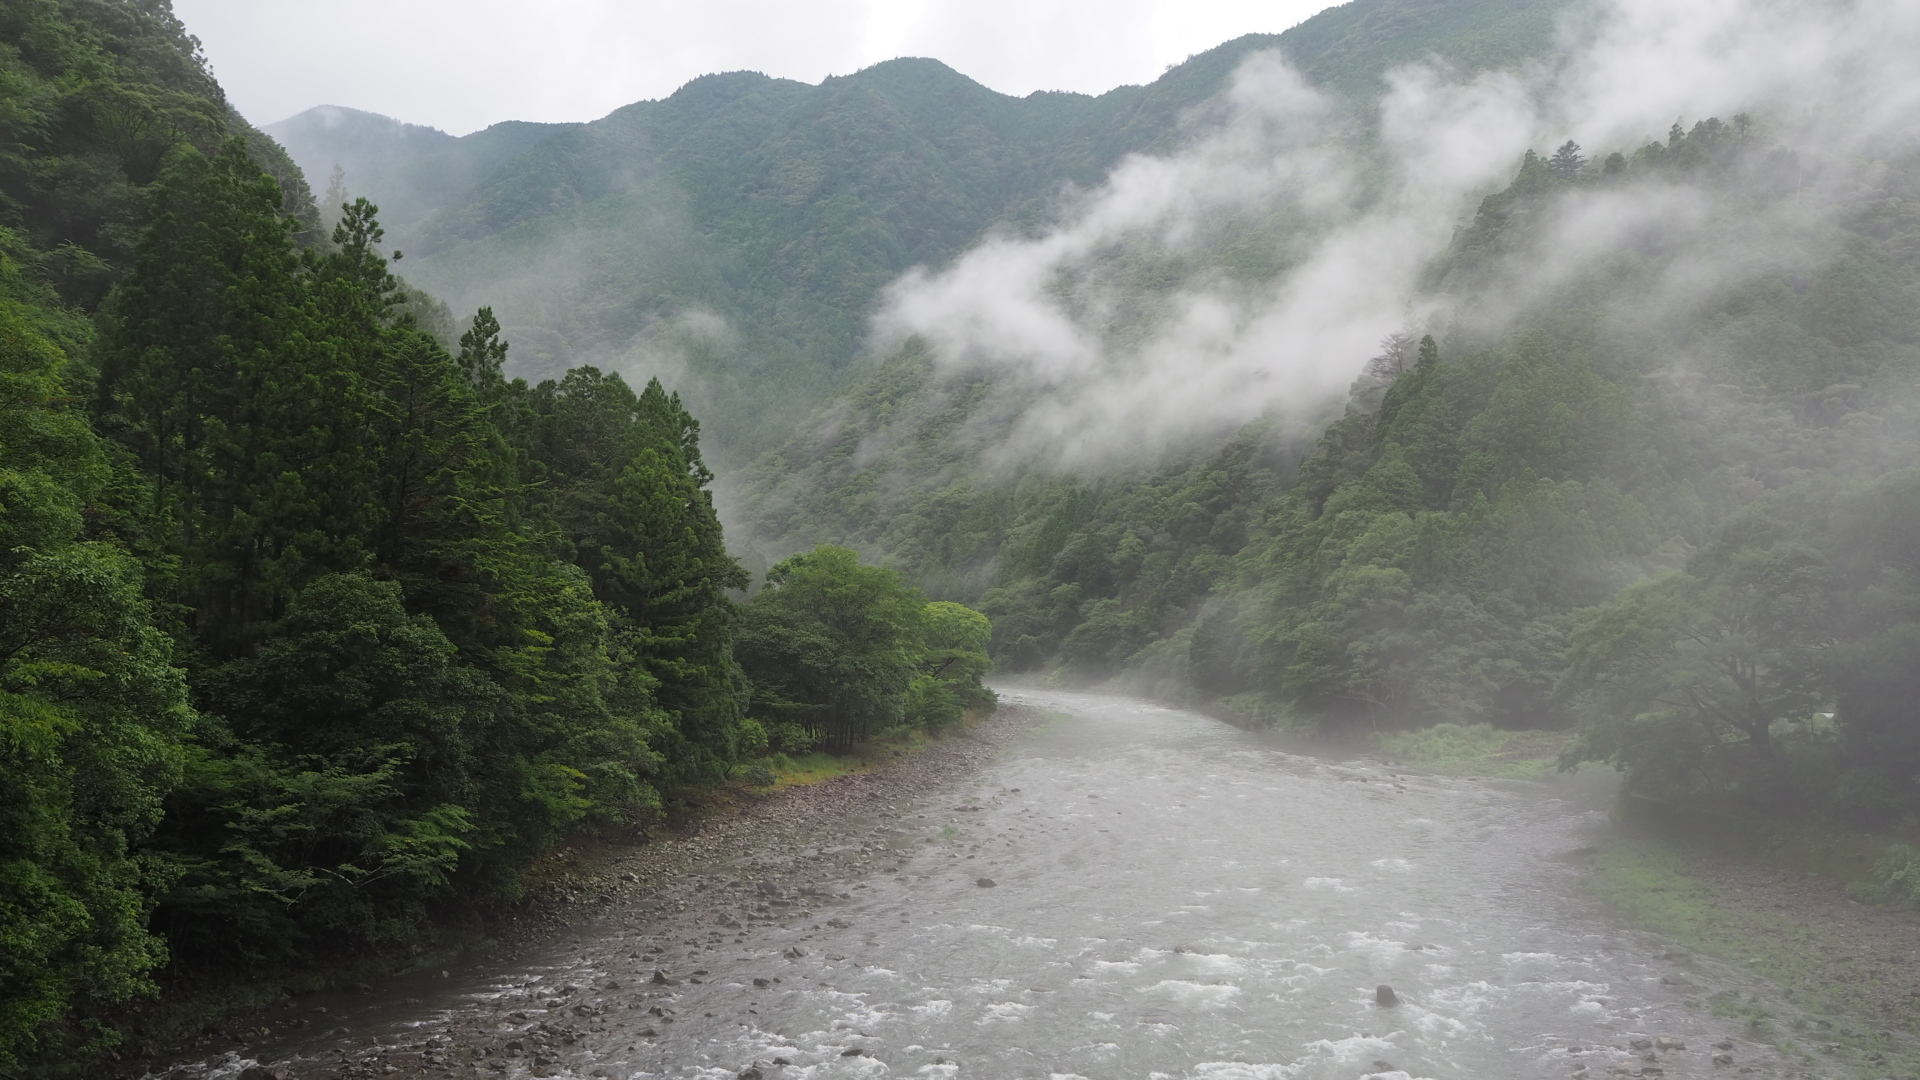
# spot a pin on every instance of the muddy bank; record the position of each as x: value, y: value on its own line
x: 639, y: 917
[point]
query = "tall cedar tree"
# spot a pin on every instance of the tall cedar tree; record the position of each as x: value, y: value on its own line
x: 629, y: 491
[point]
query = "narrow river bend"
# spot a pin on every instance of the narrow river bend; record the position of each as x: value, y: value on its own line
x: 1171, y: 897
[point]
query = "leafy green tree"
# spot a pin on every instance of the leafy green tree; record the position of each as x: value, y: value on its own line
x: 629, y: 492
x: 340, y: 787
x: 1683, y: 679
x: 952, y: 662
x: 832, y: 645
x: 238, y: 400
x: 91, y: 711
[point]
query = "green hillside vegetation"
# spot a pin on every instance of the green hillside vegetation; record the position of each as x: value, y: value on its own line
x: 406, y: 169
x: 315, y: 632
x: 1463, y: 545
x: 735, y: 236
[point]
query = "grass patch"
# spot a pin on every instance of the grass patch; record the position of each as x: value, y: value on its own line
x: 799, y: 770
x: 1477, y: 749
x: 1838, y: 990
x: 776, y: 772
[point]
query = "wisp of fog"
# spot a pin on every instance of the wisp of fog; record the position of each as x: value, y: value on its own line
x: 1095, y: 364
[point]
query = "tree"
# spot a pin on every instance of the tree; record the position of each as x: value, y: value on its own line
x: 952, y: 662
x: 629, y: 492
x: 92, y: 711
x: 334, y: 202
x: 832, y: 645
x: 1566, y: 162
x: 1398, y: 351
x: 1681, y: 681
x: 234, y: 371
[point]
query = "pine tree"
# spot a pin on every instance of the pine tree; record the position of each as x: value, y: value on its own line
x: 1566, y: 162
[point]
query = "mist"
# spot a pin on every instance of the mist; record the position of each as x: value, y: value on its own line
x: 1098, y: 368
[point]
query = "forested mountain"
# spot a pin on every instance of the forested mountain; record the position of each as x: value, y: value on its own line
x: 407, y: 170
x: 735, y: 236
x: 1646, y: 466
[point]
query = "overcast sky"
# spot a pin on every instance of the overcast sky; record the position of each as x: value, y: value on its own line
x: 460, y: 65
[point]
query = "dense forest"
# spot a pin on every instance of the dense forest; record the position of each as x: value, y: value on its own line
x: 315, y: 628
x: 1683, y: 528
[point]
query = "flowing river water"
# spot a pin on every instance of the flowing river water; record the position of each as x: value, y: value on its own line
x: 1170, y: 897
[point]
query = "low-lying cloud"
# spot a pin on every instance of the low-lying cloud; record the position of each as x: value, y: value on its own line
x: 1125, y: 326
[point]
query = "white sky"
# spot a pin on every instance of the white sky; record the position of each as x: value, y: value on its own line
x: 460, y: 65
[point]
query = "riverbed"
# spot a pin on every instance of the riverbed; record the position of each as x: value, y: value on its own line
x: 1125, y: 891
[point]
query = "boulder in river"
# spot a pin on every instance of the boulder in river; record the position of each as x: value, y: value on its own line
x: 1384, y: 996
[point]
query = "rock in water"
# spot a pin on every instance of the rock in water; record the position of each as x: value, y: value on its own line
x: 985, y: 883
x: 1384, y: 996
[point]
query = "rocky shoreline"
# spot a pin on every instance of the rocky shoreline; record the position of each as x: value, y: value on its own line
x: 632, y: 919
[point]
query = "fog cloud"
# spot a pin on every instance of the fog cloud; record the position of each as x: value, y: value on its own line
x: 1097, y: 361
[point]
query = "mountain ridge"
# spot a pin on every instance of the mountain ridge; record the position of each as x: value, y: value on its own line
x: 733, y: 237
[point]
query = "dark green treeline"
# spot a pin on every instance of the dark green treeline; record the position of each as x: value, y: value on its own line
x: 315, y: 629
x: 319, y: 625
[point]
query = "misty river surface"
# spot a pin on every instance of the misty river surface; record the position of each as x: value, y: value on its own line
x: 1172, y: 897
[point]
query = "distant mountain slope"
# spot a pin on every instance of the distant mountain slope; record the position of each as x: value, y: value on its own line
x: 734, y: 236
x: 408, y: 169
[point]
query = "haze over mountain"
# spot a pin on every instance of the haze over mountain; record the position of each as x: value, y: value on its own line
x: 735, y: 236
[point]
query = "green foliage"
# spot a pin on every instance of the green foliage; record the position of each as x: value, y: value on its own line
x: 846, y: 652
x: 438, y: 619
x: 628, y: 490
x: 98, y: 93
x: 1480, y: 749
x: 91, y: 709
x: 429, y: 621
x: 1443, y: 743
x: 1895, y: 879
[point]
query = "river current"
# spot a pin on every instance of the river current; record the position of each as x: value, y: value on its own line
x: 1133, y: 891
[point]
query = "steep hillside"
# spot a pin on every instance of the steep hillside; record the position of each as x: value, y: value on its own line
x: 407, y: 169
x: 733, y: 237
x: 97, y: 94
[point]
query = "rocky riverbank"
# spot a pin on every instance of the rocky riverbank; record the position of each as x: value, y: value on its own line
x: 619, y: 928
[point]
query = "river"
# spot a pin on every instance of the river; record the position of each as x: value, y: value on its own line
x: 1170, y: 897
